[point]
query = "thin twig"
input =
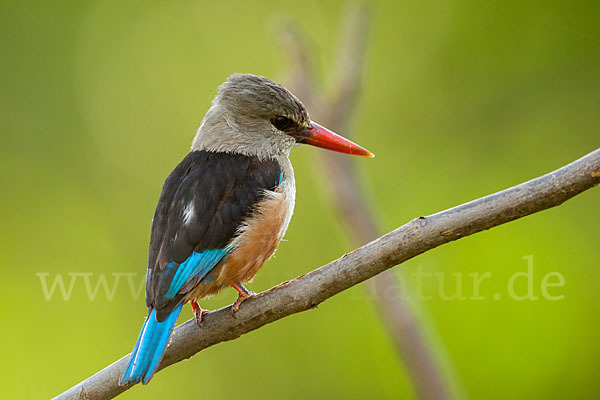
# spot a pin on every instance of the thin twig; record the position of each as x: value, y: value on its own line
x: 309, y: 290
x: 347, y: 191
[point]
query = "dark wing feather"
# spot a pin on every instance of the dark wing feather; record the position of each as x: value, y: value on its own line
x: 222, y: 189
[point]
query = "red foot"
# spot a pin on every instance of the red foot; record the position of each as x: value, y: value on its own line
x: 198, y: 311
x: 244, y: 294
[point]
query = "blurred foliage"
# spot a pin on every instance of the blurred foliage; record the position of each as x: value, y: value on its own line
x: 99, y: 100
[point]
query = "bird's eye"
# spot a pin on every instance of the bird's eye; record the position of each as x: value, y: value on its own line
x: 283, y: 123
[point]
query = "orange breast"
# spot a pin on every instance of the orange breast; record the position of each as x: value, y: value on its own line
x: 257, y: 240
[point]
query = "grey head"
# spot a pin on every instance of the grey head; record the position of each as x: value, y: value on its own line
x: 252, y: 115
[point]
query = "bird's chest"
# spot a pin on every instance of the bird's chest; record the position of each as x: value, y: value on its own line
x: 259, y: 236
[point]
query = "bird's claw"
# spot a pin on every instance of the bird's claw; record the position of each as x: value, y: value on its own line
x: 238, y: 302
x: 198, y: 312
x: 243, y: 295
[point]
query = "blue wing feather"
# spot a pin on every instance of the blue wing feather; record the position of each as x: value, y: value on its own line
x: 196, y: 265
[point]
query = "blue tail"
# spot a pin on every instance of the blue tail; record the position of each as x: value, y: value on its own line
x: 150, y: 347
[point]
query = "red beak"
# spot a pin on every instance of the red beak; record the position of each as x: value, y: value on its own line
x: 319, y: 136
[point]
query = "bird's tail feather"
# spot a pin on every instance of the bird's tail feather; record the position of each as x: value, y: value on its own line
x: 150, y: 347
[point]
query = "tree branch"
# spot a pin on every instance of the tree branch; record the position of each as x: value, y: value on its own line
x: 309, y: 290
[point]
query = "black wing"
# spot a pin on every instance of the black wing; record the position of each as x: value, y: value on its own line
x: 203, y: 202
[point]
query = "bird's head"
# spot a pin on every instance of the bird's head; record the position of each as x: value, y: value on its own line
x: 255, y: 116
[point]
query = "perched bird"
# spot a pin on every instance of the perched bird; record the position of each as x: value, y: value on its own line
x: 225, y: 207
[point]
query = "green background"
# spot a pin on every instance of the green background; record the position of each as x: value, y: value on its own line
x: 99, y: 100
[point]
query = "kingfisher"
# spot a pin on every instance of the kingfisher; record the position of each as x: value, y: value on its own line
x: 224, y: 209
